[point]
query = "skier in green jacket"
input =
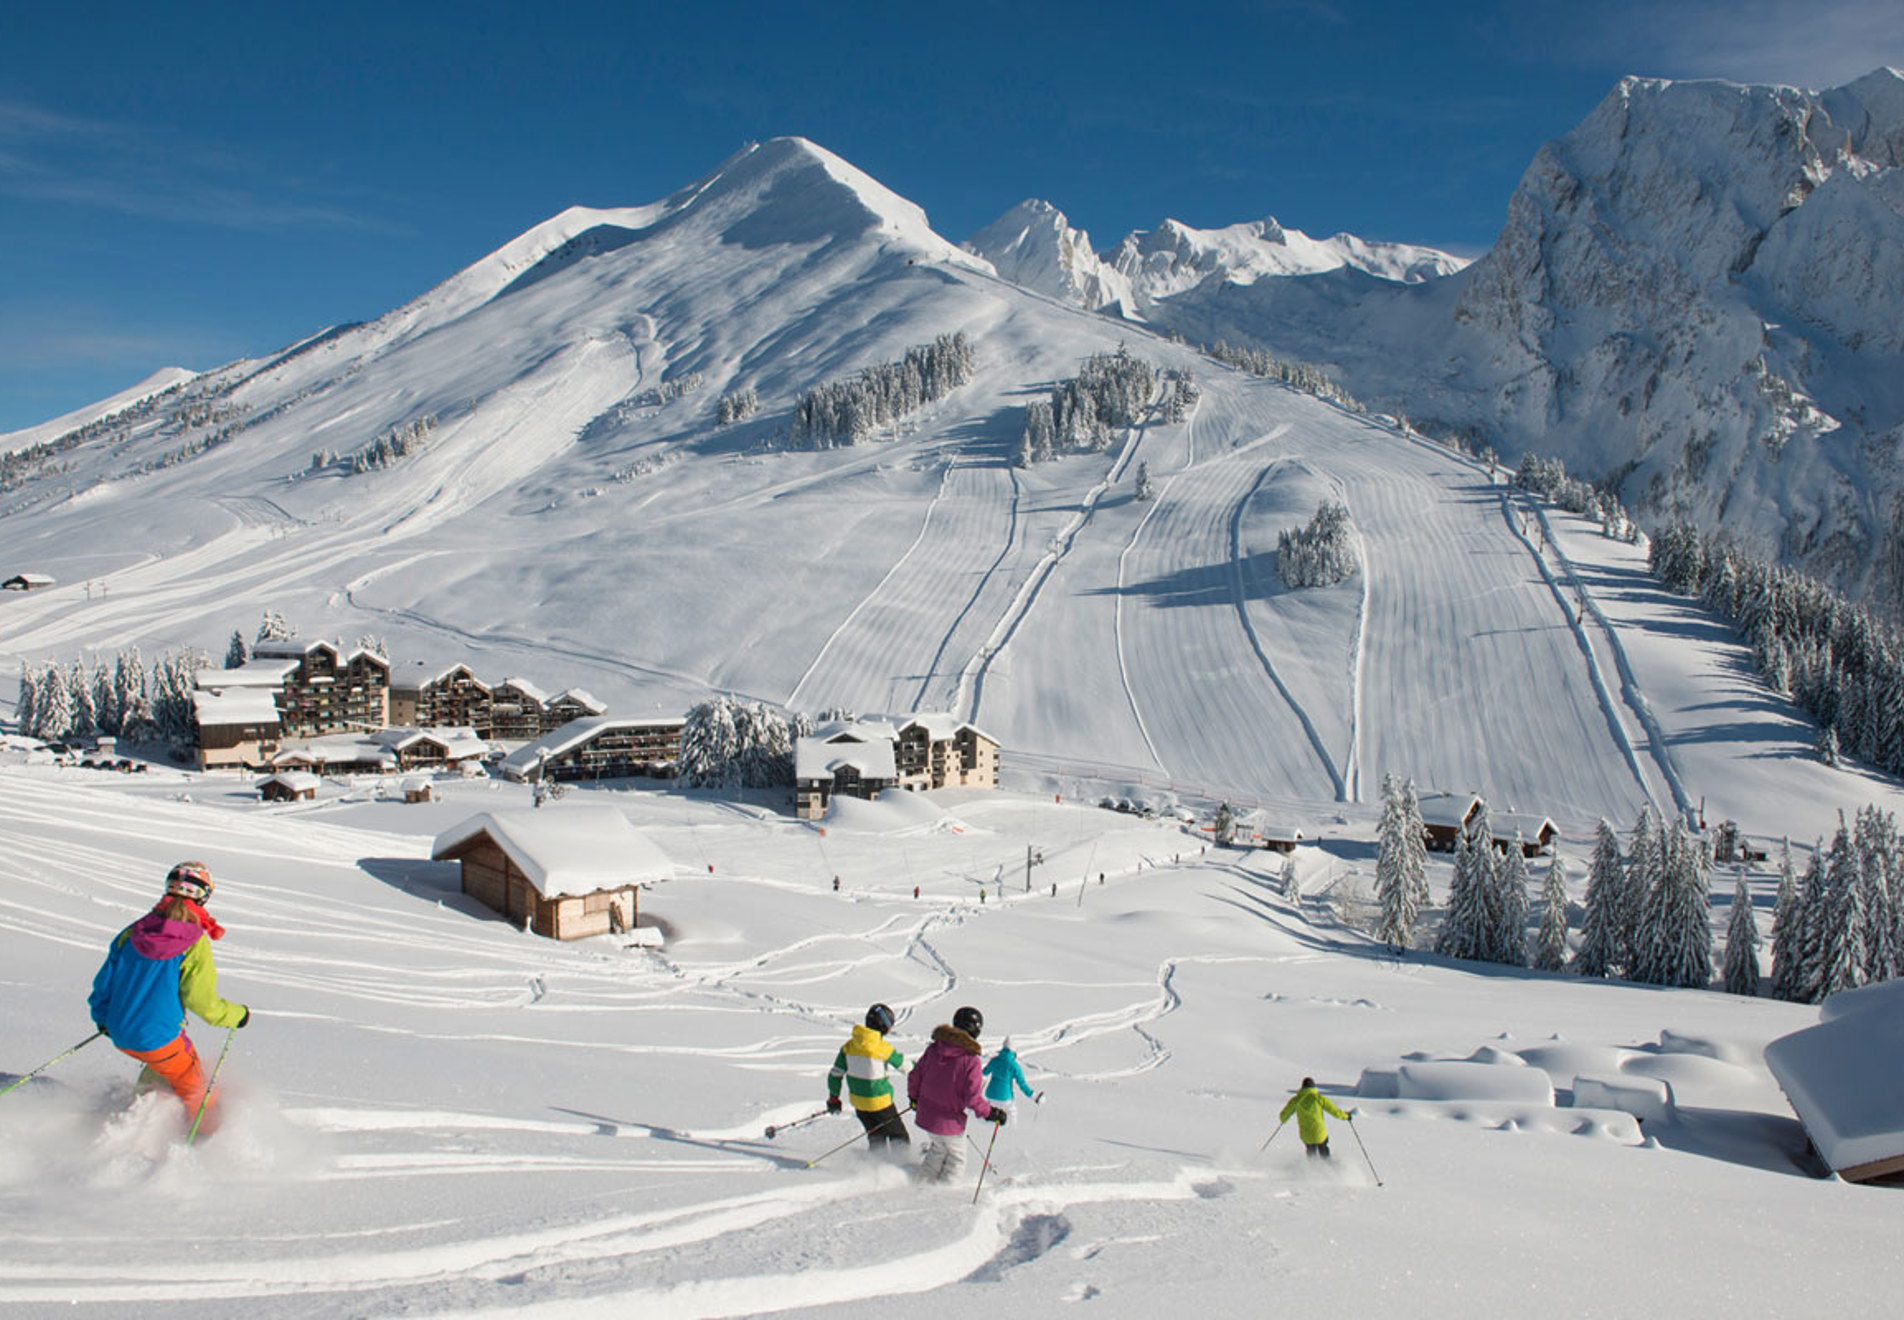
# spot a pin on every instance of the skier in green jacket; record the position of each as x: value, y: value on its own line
x: 1309, y: 1105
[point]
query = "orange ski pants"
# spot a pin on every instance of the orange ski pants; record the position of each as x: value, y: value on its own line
x: 178, y: 1067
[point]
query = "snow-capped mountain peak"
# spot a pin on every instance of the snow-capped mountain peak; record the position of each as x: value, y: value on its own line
x: 1034, y: 245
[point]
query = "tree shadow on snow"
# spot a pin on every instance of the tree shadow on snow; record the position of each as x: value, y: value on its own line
x: 614, y: 1127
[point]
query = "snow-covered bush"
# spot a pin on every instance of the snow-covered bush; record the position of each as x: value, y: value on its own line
x: 730, y: 743
x: 737, y: 406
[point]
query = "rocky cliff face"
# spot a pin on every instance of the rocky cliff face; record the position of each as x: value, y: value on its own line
x: 1702, y: 287
x: 1034, y: 245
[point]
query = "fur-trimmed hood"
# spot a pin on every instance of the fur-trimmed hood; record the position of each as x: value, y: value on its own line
x: 958, y: 1040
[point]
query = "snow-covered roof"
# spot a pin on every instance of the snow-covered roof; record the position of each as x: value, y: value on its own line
x: 32, y: 579
x: 1845, y: 1077
x: 585, y: 700
x: 257, y: 673
x: 573, y: 734
x: 457, y: 741
x: 942, y: 726
x: 1446, y: 809
x: 526, y: 688
x: 566, y: 850
x: 1528, y: 824
x: 238, y: 706
x: 338, y: 749
x: 290, y: 648
x: 819, y: 757
x: 298, y: 781
x: 414, y: 783
x: 419, y: 677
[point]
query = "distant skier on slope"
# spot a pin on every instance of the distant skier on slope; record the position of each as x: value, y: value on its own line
x: 1309, y: 1105
x: 1002, y: 1073
x: 156, y: 969
x: 946, y: 1082
x: 862, y: 1064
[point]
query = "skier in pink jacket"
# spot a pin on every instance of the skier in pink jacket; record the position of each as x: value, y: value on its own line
x: 945, y: 1083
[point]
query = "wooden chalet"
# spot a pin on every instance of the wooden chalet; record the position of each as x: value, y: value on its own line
x: 26, y: 582
x: 288, y: 786
x: 1444, y: 816
x: 565, y: 872
x: 853, y: 758
x: 418, y: 788
x: 1535, y: 832
x: 1845, y: 1080
x: 600, y: 747
x: 431, y: 749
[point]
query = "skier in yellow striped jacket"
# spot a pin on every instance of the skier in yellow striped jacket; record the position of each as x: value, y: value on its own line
x: 863, y: 1064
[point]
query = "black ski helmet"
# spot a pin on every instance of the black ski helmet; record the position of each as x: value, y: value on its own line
x: 879, y: 1018
x: 970, y: 1021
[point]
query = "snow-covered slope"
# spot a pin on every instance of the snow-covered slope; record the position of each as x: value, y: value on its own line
x: 1697, y: 291
x: 158, y: 382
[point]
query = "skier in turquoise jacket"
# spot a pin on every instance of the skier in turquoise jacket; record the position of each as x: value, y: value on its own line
x: 1002, y: 1073
x: 1309, y: 1105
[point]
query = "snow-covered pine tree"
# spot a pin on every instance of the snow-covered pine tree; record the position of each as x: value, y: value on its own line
x: 1223, y: 828
x: 1396, y: 926
x: 1146, y: 488
x: 710, y: 745
x: 1676, y: 935
x: 79, y: 685
x: 1826, y: 748
x: 1842, y: 956
x: 1814, y: 903
x: 1786, y: 925
x: 1741, y: 942
x: 23, y: 704
x: 129, y: 693
x: 1039, y: 443
x: 1415, y: 842
x: 52, y: 705
x: 236, y: 652
x: 1644, y: 861
x: 1874, y: 838
x: 106, y: 712
x: 1550, y: 947
x: 273, y: 628
x: 1464, y: 926
x: 1508, y: 940
x: 1602, y: 933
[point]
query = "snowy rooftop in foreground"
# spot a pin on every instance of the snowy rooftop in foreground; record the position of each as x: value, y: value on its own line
x: 566, y: 850
x: 1845, y: 1079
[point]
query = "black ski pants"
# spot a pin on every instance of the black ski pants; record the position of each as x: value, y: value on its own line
x: 883, y: 1127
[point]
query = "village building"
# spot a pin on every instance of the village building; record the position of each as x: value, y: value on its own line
x: 289, y: 786
x: 431, y: 749
x: 1535, y: 832
x: 337, y: 754
x: 452, y: 697
x: 26, y: 582
x: 942, y: 751
x: 600, y: 747
x: 328, y: 690
x: 1444, y: 816
x: 237, y: 727
x: 517, y: 709
x: 567, y: 707
x: 565, y: 872
x: 854, y: 758
x: 418, y: 788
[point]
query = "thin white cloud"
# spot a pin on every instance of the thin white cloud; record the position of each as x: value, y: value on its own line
x: 46, y: 156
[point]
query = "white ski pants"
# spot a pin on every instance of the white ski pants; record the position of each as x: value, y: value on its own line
x: 944, y: 1157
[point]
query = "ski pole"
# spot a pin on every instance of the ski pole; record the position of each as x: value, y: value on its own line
x: 206, y: 1099
x: 1272, y: 1136
x: 772, y: 1128
x: 1358, y: 1141
x: 986, y: 1167
x: 849, y: 1141
x: 19, y: 1082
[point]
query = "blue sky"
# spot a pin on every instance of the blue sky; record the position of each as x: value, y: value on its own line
x: 189, y: 183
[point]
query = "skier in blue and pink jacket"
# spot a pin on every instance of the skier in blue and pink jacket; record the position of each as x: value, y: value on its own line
x: 156, y: 969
